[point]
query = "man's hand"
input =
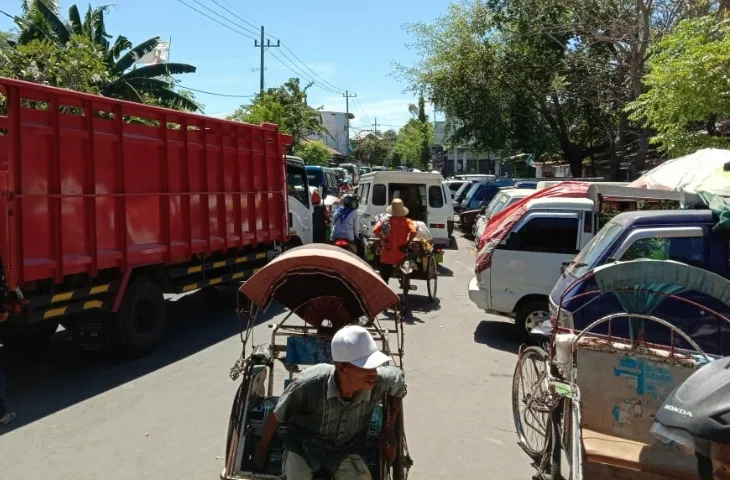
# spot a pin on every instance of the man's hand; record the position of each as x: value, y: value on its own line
x: 3, y: 316
x: 261, y: 457
x: 387, y: 444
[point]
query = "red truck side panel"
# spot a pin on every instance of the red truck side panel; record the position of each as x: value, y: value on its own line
x: 84, y: 189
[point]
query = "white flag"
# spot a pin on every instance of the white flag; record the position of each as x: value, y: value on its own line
x: 160, y: 54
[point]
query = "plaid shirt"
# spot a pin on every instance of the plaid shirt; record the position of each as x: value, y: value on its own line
x: 321, y: 426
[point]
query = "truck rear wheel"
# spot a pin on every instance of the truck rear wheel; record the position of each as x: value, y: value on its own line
x: 141, y: 319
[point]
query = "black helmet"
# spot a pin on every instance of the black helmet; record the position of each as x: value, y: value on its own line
x: 351, y: 201
x: 698, y: 411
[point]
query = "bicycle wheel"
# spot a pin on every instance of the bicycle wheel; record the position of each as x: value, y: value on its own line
x: 529, y: 408
x: 405, y: 283
x: 432, y: 278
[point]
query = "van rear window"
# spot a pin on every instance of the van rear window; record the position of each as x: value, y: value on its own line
x: 435, y: 197
x: 379, y: 194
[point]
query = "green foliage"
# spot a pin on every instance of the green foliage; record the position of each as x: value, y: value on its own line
x: 151, y: 84
x: 77, y: 65
x: 373, y: 150
x: 314, y: 152
x: 411, y: 141
x: 285, y: 106
x: 542, y: 77
x: 687, y: 102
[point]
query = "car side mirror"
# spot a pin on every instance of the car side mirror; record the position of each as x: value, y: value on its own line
x: 483, y: 210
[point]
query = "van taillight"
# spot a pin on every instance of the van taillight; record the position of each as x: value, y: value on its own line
x: 588, y: 222
x: 436, y: 225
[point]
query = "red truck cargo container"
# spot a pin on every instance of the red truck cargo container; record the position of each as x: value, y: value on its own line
x: 108, y: 204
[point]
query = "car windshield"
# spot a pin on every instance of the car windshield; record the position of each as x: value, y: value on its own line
x: 592, y: 252
x: 472, y: 191
x: 463, y: 190
x: 498, y: 203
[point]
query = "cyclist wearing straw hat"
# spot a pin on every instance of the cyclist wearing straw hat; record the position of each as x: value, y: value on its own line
x: 395, y: 231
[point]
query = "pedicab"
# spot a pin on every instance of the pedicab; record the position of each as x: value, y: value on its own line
x: 421, y: 263
x: 324, y: 288
x: 586, y: 402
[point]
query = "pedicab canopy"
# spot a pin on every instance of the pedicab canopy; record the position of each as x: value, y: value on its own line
x: 642, y: 285
x: 501, y: 224
x: 321, y: 282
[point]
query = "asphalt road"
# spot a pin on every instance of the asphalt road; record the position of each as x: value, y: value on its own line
x: 164, y: 416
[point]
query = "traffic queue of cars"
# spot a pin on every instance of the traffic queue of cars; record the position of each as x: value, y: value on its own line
x: 535, y: 252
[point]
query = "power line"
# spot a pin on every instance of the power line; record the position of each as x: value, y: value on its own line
x: 214, y: 93
x: 218, y: 22
x: 225, y: 19
x: 314, y: 75
x: 304, y: 75
x: 254, y: 27
x: 334, y: 87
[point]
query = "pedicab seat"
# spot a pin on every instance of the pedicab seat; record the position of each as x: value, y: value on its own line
x: 259, y: 412
x: 619, y: 397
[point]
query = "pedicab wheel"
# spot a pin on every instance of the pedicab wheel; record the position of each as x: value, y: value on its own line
x: 405, y: 283
x: 432, y: 279
x: 529, y: 409
x: 402, y: 462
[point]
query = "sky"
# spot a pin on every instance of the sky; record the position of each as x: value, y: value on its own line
x: 345, y: 45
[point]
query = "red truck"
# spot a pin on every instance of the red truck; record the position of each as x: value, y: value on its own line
x: 106, y: 205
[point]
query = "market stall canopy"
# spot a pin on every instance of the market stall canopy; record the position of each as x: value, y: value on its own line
x: 686, y: 173
x: 303, y: 274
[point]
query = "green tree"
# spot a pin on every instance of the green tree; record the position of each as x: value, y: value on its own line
x: 687, y: 102
x: 76, y: 65
x: 411, y: 140
x: 426, y: 141
x: 314, y: 152
x: 372, y: 151
x: 148, y: 84
x: 285, y: 106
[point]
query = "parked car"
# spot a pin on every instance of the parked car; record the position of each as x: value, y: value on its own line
x: 503, y: 200
x: 518, y: 265
x: 454, y: 186
x: 686, y: 236
x: 480, y: 196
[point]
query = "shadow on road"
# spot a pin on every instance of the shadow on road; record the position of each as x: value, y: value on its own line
x: 453, y: 244
x: 499, y: 335
x: 445, y: 271
x: 45, y: 381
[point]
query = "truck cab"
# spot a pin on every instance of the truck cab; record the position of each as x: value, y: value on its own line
x: 300, y: 203
x: 686, y: 236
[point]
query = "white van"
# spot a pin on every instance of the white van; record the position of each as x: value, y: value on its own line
x: 527, y: 262
x: 300, y: 203
x: 423, y: 194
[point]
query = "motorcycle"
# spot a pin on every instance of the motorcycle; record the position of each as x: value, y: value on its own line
x: 696, y: 418
x: 346, y: 244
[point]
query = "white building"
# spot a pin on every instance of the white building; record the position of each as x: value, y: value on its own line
x: 336, y: 125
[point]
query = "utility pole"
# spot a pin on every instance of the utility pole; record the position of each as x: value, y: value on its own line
x: 375, y: 126
x: 263, y: 47
x: 347, y: 116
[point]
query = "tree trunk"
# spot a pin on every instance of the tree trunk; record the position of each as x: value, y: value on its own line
x: 643, y: 148
x: 575, y: 156
x: 616, y: 151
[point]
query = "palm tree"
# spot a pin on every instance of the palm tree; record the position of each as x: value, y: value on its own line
x: 42, y: 20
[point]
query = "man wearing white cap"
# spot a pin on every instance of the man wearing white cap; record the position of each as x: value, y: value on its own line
x: 328, y: 410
